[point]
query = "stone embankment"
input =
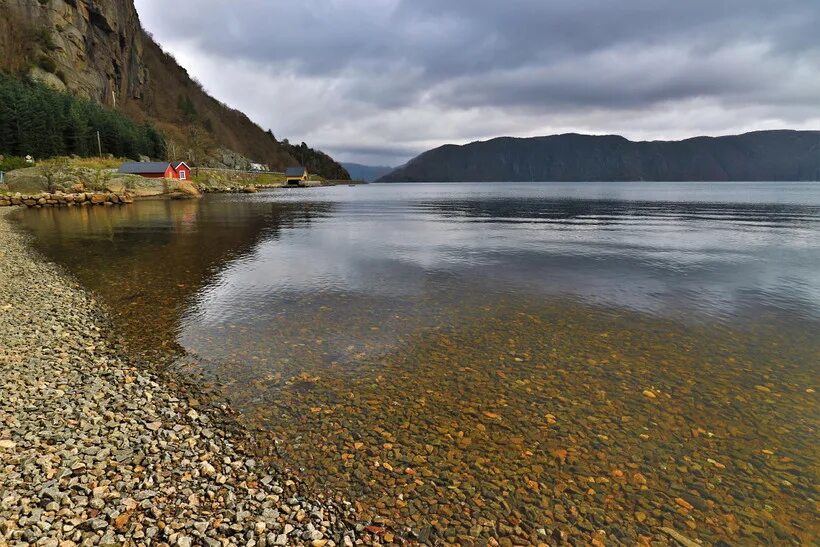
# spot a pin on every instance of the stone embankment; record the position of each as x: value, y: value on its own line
x: 60, y: 199
x: 95, y: 450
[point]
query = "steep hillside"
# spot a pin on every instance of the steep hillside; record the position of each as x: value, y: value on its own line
x: 760, y: 155
x: 99, y: 50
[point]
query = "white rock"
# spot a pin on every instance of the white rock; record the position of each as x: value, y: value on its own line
x: 207, y: 469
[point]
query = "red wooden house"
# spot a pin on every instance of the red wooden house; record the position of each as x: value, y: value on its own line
x: 158, y: 169
x: 182, y: 170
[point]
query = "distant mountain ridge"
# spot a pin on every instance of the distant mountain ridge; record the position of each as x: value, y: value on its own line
x: 778, y: 155
x: 367, y: 173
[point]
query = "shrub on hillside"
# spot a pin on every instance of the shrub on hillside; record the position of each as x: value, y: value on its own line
x: 10, y: 163
x: 47, y: 64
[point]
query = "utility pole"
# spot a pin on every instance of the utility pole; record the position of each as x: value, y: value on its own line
x: 99, y: 143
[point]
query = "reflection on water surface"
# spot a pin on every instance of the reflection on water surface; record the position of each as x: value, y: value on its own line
x: 487, y: 360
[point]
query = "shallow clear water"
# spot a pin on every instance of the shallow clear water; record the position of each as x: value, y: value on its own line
x: 494, y: 343
x: 715, y: 250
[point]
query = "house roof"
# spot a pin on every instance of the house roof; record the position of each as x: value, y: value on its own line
x: 144, y: 167
x: 295, y: 171
x: 176, y: 164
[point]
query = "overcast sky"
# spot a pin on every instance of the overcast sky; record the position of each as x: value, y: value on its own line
x: 378, y: 81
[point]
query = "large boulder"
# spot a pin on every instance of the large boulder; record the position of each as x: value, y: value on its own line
x: 143, y: 186
x: 181, y: 189
x: 119, y: 183
x: 27, y: 181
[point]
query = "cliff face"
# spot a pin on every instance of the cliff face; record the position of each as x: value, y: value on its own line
x: 98, y: 49
x: 92, y: 48
x: 757, y: 156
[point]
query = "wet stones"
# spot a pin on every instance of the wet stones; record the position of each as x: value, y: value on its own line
x: 498, y: 448
x: 97, y: 451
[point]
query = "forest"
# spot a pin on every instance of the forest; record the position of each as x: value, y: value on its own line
x: 315, y: 160
x: 38, y: 121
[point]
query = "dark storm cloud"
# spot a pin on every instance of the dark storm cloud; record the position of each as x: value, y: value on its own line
x: 395, y: 66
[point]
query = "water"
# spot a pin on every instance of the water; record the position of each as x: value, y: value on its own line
x: 475, y: 360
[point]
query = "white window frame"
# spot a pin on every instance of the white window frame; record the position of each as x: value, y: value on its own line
x: 183, y: 175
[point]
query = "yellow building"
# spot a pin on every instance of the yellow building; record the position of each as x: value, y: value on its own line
x: 296, y: 176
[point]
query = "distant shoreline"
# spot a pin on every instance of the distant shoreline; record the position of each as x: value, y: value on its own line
x: 777, y: 155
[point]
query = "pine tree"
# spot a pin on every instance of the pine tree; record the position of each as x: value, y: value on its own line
x: 37, y: 120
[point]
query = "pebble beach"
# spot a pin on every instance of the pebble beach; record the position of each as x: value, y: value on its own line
x: 96, y: 450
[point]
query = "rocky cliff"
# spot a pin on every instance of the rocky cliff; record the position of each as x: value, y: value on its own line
x: 760, y: 155
x: 91, y: 48
x: 98, y: 49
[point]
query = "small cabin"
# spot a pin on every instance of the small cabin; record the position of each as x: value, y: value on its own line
x: 182, y: 170
x: 157, y: 170
x: 296, y: 176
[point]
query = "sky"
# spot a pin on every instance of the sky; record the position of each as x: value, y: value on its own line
x: 380, y: 81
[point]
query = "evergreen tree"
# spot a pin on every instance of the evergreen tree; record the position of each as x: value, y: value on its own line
x: 36, y: 120
x: 187, y: 108
x: 316, y: 161
x: 77, y: 132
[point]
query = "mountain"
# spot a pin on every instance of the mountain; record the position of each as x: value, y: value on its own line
x: 760, y: 155
x: 99, y: 50
x: 367, y: 173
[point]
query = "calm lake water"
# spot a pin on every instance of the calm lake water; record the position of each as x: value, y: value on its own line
x: 528, y: 362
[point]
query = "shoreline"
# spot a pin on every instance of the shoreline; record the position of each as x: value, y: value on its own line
x: 39, y: 200
x: 98, y: 449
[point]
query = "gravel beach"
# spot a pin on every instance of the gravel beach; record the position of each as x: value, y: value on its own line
x: 97, y: 451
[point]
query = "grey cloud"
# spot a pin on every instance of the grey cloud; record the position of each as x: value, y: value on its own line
x: 374, y: 152
x: 467, y: 35
x: 745, y: 73
x: 380, y: 65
